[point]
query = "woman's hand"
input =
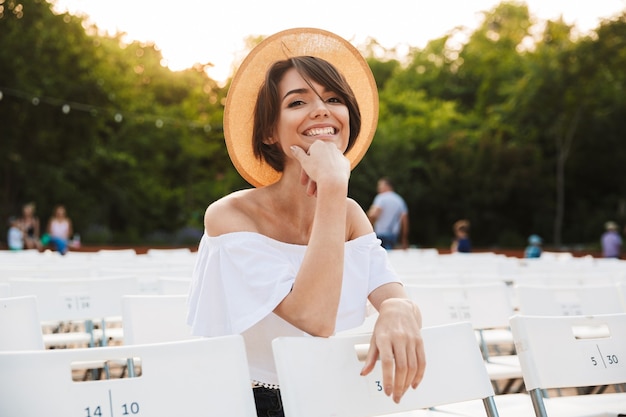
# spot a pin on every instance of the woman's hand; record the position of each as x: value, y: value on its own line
x: 397, y: 341
x: 322, y: 164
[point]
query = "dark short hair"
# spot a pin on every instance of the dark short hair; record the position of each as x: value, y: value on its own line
x: 267, y: 108
x: 387, y: 181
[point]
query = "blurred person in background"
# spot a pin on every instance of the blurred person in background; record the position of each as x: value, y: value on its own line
x: 611, y: 241
x: 60, y: 229
x: 15, y: 235
x: 390, y: 216
x: 461, y: 242
x: 29, y: 223
x: 533, y: 250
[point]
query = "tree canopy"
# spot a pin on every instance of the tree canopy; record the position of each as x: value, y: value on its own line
x: 518, y: 131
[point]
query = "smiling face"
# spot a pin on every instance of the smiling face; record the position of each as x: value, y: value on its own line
x: 303, y: 99
x: 310, y: 112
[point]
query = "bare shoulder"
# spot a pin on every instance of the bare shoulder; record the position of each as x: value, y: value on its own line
x: 232, y: 213
x: 358, y: 222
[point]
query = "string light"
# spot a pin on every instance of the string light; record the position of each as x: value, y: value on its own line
x: 67, y: 106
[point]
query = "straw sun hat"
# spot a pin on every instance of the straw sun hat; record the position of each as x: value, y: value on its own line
x: 242, y: 95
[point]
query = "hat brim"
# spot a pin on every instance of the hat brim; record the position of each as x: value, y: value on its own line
x: 242, y: 94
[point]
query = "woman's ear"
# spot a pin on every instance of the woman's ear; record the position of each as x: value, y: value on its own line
x: 269, y: 141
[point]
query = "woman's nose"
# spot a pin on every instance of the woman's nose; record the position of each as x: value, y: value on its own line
x: 320, y: 109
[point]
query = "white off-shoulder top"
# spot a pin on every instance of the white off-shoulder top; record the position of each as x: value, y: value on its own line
x: 239, y: 278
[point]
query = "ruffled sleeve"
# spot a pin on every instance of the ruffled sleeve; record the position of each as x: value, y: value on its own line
x: 238, y: 280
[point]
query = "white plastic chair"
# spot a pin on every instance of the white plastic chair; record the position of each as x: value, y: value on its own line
x: 572, y: 351
x: 116, y: 254
x: 174, y: 285
x: 320, y: 377
x: 188, y: 378
x: 5, y: 290
x: 487, y: 307
x: 20, y: 328
x: 570, y: 300
x: 155, y: 318
x: 169, y: 252
x: 77, y: 300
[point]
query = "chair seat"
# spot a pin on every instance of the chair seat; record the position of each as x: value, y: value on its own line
x: 496, y: 337
x: 65, y: 339
x: 609, y: 403
x: 113, y: 333
x: 520, y: 405
x: 499, y: 371
x: 510, y: 360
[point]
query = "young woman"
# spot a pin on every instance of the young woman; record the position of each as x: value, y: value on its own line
x: 295, y: 255
x: 60, y: 229
x: 29, y: 223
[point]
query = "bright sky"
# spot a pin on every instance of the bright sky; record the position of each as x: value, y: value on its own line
x: 191, y: 31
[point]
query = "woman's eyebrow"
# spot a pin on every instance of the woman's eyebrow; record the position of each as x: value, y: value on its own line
x: 304, y: 90
x: 295, y: 91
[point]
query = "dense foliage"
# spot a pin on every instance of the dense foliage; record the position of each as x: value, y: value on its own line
x: 518, y: 132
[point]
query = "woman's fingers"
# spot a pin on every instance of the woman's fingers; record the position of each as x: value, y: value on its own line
x: 400, y: 347
x: 370, y: 358
x: 421, y: 365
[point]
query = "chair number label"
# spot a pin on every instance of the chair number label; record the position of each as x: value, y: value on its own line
x: 374, y: 385
x: 78, y: 302
x: 125, y: 409
x: 603, y: 360
x: 96, y: 412
x: 459, y: 312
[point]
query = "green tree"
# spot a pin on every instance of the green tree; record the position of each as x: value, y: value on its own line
x: 100, y: 125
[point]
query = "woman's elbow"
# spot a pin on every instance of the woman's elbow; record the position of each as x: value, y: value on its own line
x: 318, y: 326
x: 322, y: 330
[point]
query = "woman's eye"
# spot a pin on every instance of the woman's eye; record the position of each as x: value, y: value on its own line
x: 334, y: 100
x: 296, y: 103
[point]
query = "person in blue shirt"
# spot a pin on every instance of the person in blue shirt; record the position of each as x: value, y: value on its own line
x: 390, y: 216
x: 461, y: 242
x: 533, y: 250
x: 611, y: 241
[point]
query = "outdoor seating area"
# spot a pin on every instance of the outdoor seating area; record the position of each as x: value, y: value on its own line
x: 504, y: 336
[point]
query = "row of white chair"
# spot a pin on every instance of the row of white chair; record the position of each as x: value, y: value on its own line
x: 89, y: 310
x: 487, y: 306
x: 170, y: 262
x: 554, y: 353
x: 145, y: 319
x: 416, y: 266
x: 192, y: 377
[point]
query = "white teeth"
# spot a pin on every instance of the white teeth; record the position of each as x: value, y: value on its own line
x: 321, y: 131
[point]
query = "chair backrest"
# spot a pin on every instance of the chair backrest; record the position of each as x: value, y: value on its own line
x: 20, y: 327
x: 574, y: 351
x: 155, y: 318
x: 116, y: 254
x: 5, y: 290
x: 76, y: 298
x: 207, y: 376
x: 179, y: 252
x: 174, y: 285
x: 311, y: 368
x: 486, y: 305
x: 570, y: 300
